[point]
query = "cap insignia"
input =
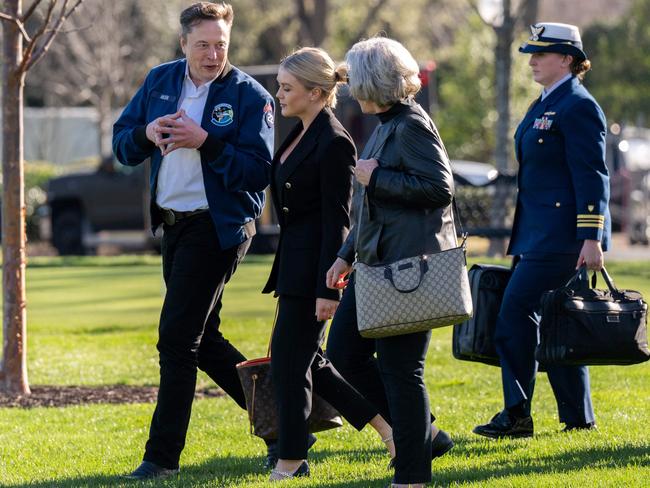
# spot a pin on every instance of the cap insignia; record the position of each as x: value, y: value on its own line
x: 536, y: 32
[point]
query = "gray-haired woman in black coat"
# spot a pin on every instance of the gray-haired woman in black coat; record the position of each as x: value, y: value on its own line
x: 409, y: 184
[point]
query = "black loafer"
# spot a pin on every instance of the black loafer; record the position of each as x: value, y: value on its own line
x: 272, y: 451
x: 441, y: 444
x: 148, y: 470
x: 504, y: 424
x: 301, y: 472
x: 582, y: 426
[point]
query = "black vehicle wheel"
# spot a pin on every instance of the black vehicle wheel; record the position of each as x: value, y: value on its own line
x: 67, y: 232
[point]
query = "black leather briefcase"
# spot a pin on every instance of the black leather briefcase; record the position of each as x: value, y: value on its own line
x: 587, y: 326
x: 473, y: 340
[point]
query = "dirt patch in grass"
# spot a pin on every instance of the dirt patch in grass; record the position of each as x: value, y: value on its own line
x: 64, y: 396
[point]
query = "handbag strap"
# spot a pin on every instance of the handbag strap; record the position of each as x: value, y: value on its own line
x: 364, y: 198
x: 455, y: 214
x: 364, y: 195
x: 275, y: 321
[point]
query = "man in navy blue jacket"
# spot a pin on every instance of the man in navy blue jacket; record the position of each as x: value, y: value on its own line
x: 561, y: 223
x: 208, y: 129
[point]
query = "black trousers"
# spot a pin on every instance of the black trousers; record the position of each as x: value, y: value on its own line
x: 393, y: 381
x: 297, y: 365
x: 195, y: 269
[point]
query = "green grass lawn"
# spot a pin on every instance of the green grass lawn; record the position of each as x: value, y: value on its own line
x: 93, y: 322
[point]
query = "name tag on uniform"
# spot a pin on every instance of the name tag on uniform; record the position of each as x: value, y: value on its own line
x: 543, y: 123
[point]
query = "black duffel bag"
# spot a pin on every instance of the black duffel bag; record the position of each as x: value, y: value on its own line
x: 473, y: 340
x: 586, y: 326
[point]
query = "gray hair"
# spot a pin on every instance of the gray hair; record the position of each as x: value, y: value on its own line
x: 314, y: 68
x: 381, y: 70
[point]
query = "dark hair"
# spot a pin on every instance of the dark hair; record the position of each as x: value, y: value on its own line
x: 579, y: 67
x: 200, y: 11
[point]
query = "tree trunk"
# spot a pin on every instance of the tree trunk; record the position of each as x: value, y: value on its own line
x: 503, y: 63
x: 14, y: 352
x: 104, y: 124
x: 312, y: 15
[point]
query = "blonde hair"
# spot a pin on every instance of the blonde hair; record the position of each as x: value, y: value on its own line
x: 314, y: 68
x: 381, y: 70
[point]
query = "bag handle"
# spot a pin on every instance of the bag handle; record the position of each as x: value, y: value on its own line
x: 581, y: 280
x: 275, y: 321
x: 424, y: 267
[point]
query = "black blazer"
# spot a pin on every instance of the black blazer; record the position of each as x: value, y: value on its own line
x: 311, y: 193
x: 408, y: 209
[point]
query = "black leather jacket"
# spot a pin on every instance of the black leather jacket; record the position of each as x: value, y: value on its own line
x: 407, y: 211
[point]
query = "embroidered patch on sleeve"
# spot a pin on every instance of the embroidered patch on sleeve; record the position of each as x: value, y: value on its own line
x: 268, y: 115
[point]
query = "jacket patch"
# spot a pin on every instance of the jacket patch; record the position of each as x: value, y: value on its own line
x: 268, y: 115
x: 222, y: 114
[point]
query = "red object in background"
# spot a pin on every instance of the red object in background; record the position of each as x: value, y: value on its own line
x: 428, y: 68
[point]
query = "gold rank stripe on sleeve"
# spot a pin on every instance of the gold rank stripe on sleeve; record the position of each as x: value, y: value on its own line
x: 600, y: 218
x: 592, y: 221
x: 593, y: 225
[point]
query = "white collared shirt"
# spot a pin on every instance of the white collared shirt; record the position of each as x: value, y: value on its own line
x: 180, y: 178
x: 547, y: 91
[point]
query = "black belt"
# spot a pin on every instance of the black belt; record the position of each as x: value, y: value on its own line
x: 170, y: 217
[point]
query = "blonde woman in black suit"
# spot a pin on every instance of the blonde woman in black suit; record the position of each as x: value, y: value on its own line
x: 311, y: 186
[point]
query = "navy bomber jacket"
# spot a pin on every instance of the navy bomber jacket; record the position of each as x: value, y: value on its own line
x: 235, y: 157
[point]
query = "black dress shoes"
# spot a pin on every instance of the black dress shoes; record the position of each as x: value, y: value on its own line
x: 272, y: 451
x: 302, y: 471
x: 505, y: 424
x: 148, y: 470
x: 441, y: 444
x: 583, y: 426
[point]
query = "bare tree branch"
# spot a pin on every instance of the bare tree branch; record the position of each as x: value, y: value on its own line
x: 27, y: 54
x: 18, y: 23
x: 31, y: 10
x: 370, y: 18
x: 38, y: 54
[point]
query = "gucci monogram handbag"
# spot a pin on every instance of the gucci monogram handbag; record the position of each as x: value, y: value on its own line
x: 412, y: 294
x: 257, y: 383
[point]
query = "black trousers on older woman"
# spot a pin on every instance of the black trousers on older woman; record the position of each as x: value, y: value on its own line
x: 393, y: 381
x: 298, y: 366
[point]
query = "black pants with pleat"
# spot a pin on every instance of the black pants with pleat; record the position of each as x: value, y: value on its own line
x: 298, y: 367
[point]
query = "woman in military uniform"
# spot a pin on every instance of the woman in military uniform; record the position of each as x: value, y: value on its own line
x: 561, y: 222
